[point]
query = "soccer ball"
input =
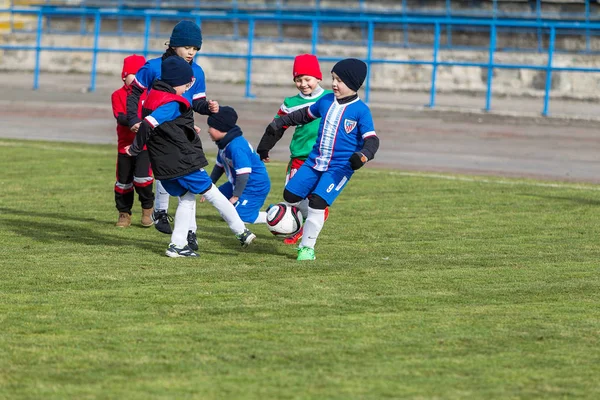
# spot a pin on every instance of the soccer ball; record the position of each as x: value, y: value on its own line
x: 283, y: 219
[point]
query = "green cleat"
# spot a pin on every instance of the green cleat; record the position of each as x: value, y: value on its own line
x: 306, y: 254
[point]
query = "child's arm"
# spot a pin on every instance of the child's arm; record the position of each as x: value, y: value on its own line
x: 118, y: 107
x: 275, y: 129
x: 133, y: 100
x: 216, y: 173
x: 370, y: 142
x: 141, y: 137
x: 166, y: 112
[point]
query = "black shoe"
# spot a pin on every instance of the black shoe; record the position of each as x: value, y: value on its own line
x: 192, y: 240
x: 161, y: 221
x: 174, y: 251
x: 246, y: 238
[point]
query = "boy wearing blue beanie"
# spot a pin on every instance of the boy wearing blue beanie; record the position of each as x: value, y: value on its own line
x: 185, y: 42
x: 177, y: 157
x: 248, y: 182
x: 345, y: 142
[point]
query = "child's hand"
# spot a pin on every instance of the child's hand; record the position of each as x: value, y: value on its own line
x: 234, y: 199
x: 357, y: 160
x: 213, y: 106
x: 136, y: 127
x: 127, y: 150
x: 202, y: 199
x: 197, y: 129
x: 264, y: 155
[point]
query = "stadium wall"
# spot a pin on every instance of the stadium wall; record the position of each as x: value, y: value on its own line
x: 513, y: 82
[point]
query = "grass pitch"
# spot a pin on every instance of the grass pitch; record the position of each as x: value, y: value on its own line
x: 424, y: 287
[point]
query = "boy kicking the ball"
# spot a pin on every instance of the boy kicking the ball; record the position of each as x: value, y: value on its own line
x: 177, y: 156
x: 248, y: 183
x: 345, y: 142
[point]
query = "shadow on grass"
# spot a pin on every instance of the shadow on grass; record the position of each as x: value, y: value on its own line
x: 578, y: 200
x: 91, y: 234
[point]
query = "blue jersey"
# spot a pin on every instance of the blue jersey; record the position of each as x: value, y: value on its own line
x: 151, y: 71
x: 165, y: 113
x: 237, y: 158
x: 342, y: 131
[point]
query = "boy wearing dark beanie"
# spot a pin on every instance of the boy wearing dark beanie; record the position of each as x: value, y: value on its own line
x: 185, y: 42
x: 248, y: 183
x: 346, y: 141
x: 177, y: 156
x: 307, y: 75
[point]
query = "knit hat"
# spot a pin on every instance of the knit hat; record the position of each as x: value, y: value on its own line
x: 307, y: 64
x: 175, y: 71
x: 224, y: 120
x: 352, y: 72
x: 132, y: 64
x: 186, y: 33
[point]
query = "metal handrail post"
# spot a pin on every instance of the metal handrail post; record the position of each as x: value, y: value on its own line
x: 490, y: 70
x: 249, y: 59
x: 549, y: 71
x: 38, y: 45
x: 434, y: 64
x: 97, y: 23
x: 369, y: 56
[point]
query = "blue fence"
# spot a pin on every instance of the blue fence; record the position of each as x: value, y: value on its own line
x: 249, y: 56
x: 585, y: 10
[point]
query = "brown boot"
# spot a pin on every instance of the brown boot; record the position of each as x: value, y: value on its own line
x: 124, y: 220
x: 147, y: 217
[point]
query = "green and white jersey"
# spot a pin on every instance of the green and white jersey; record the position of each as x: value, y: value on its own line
x: 304, y: 136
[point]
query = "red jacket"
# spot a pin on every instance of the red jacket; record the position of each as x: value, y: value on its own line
x: 125, y: 135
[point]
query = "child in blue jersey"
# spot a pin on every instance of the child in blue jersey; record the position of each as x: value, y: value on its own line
x: 346, y: 141
x: 177, y: 157
x: 248, y: 181
x: 185, y: 42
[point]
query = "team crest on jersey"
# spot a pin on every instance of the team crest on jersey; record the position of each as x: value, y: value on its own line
x: 349, y: 125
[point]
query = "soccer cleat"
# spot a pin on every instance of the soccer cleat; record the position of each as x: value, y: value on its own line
x: 147, y: 217
x: 161, y: 221
x: 124, y: 220
x: 192, y: 240
x: 185, y: 251
x: 293, y: 239
x: 246, y: 238
x: 306, y: 254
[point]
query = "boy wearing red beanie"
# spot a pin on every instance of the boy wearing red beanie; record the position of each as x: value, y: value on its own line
x: 307, y: 75
x: 133, y: 173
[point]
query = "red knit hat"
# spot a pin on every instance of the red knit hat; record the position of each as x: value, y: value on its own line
x: 307, y: 64
x: 132, y: 64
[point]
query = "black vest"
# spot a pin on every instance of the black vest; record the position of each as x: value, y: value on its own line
x: 175, y: 149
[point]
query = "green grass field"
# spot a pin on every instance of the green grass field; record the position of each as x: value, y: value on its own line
x: 425, y: 287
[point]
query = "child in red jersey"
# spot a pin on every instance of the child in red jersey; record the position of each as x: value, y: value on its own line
x: 133, y: 173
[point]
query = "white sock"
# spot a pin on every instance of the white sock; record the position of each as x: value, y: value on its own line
x: 303, y: 207
x: 161, y: 200
x: 193, y: 225
x: 262, y: 218
x: 226, y: 209
x: 312, y: 227
x: 185, y: 211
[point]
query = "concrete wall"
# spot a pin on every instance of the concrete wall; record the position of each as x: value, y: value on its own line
x: 514, y: 82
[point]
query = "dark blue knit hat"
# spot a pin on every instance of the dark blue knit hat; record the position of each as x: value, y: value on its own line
x: 186, y: 33
x: 175, y: 71
x: 352, y: 72
x: 224, y: 120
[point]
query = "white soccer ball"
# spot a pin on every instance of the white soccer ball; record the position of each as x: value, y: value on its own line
x: 283, y: 219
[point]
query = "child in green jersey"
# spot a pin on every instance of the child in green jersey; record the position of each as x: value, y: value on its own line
x: 307, y: 75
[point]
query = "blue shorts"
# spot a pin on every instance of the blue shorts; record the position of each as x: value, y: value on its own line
x: 326, y: 184
x: 248, y: 205
x: 195, y: 182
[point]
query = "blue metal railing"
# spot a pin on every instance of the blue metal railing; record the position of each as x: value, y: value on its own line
x: 482, y: 8
x: 249, y: 56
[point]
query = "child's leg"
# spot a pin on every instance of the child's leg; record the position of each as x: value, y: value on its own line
x: 185, y: 211
x: 225, y: 208
x: 124, y: 190
x: 142, y: 181
x: 161, y: 201
x: 314, y: 221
